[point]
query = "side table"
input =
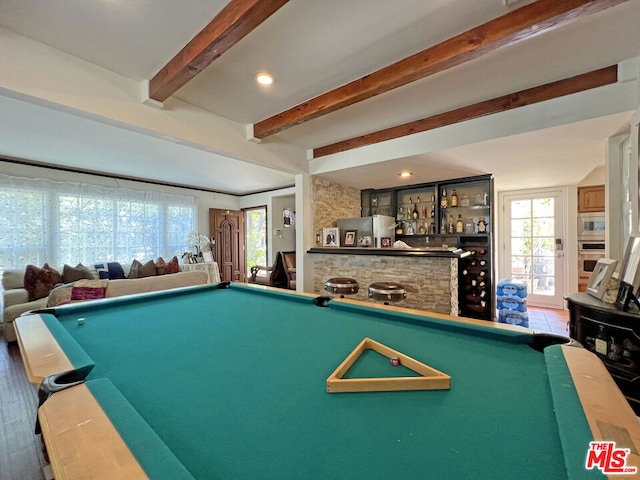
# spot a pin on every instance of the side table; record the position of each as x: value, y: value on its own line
x: 210, y: 267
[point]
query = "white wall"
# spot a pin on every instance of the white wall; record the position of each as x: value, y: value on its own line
x: 275, y: 202
x: 283, y: 238
x: 597, y: 176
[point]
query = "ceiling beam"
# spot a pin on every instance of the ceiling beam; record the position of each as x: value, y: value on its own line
x: 560, y: 88
x: 234, y: 22
x: 526, y: 22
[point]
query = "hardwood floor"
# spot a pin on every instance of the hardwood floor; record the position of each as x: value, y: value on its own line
x: 21, y: 455
x: 549, y: 320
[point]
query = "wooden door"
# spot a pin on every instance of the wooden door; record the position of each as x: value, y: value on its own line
x: 227, y: 228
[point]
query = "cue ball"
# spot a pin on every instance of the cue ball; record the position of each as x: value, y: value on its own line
x: 395, y: 361
x: 81, y: 321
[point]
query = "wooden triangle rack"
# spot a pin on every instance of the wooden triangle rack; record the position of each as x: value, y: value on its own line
x: 430, y: 379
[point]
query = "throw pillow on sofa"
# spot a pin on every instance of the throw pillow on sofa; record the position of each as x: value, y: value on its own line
x: 109, y: 270
x: 165, y: 268
x: 38, y: 282
x: 161, y: 266
x: 79, y: 272
x: 60, y: 295
x: 172, y: 266
x: 88, y: 290
x: 138, y: 270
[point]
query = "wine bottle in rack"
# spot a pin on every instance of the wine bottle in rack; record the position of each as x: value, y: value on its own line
x: 454, y: 198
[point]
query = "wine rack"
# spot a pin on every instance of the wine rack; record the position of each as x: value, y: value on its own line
x: 475, y: 288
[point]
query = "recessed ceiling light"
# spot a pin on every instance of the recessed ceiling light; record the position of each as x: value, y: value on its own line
x: 264, y: 78
x: 405, y: 174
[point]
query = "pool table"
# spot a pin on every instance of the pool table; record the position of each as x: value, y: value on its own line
x: 229, y: 381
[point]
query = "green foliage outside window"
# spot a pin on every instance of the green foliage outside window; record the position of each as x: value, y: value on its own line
x: 256, y: 241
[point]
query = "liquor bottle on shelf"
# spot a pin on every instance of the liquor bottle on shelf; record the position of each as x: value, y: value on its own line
x: 452, y: 227
x: 443, y: 224
x: 469, y: 226
x: 454, y: 198
x: 432, y: 228
x: 424, y: 211
x: 422, y: 229
x: 459, y: 225
x: 409, y: 229
x: 433, y: 210
x: 415, y: 213
x: 601, y: 343
x: 444, y: 201
x: 400, y: 213
x: 418, y: 200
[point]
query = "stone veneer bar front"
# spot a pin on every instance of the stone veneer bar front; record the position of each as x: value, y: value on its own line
x: 430, y: 276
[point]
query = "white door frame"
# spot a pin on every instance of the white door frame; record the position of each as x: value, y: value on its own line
x: 569, y: 263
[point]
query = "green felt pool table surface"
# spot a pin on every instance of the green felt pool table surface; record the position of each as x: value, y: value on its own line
x: 233, y: 382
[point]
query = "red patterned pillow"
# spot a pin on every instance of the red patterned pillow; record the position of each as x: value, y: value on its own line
x: 172, y: 266
x: 88, y: 290
x: 38, y: 282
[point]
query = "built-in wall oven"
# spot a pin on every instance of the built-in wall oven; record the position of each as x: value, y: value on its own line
x: 590, y: 250
x: 591, y: 225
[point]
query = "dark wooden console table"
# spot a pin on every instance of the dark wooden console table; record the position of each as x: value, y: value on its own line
x: 611, y: 334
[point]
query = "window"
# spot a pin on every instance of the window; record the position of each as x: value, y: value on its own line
x: 256, y: 241
x: 61, y: 222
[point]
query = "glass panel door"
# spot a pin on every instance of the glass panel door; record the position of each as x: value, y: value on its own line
x: 256, y: 237
x: 533, y: 245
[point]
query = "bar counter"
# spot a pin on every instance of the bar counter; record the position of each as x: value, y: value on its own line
x: 446, y: 252
x: 430, y: 275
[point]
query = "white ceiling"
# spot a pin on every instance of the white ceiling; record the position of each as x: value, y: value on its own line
x: 313, y: 46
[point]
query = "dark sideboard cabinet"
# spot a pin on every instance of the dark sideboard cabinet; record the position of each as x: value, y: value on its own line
x: 456, y: 213
x: 611, y: 334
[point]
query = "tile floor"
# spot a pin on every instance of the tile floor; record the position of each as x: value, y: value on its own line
x: 549, y: 320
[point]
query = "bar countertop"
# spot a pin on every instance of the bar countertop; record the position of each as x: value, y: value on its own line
x: 446, y: 252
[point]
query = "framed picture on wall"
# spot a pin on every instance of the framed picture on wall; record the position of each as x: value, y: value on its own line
x: 288, y: 217
x: 331, y: 237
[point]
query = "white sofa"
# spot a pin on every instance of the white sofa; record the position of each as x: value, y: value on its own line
x: 16, y: 299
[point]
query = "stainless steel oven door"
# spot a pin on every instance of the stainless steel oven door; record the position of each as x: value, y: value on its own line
x: 587, y: 260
